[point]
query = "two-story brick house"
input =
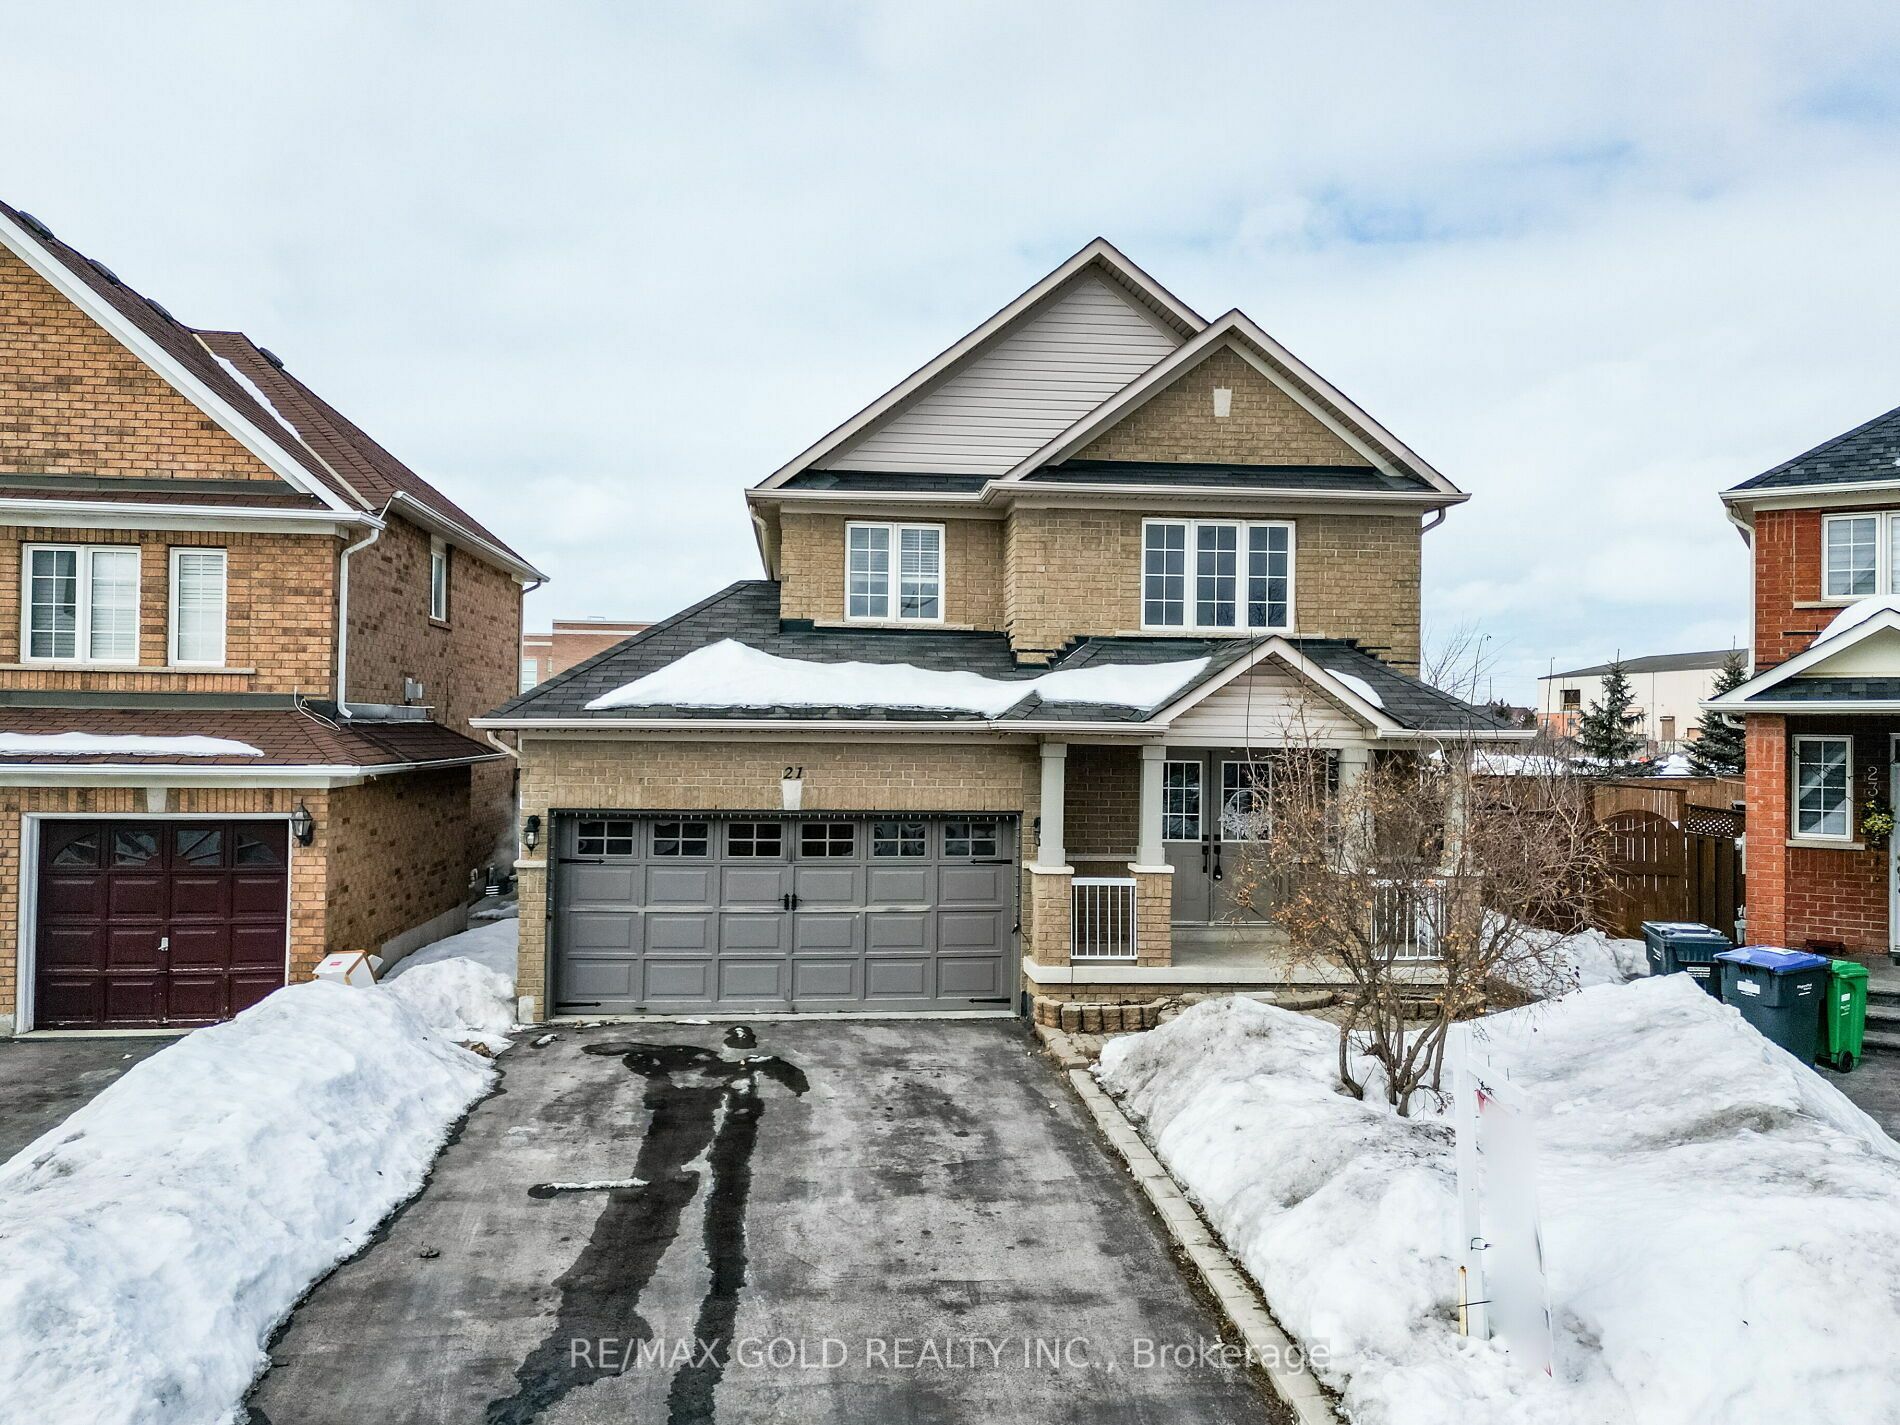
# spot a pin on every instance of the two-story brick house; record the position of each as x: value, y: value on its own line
x: 240, y: 646
x: 1822, y: 707
x: 1030, y: 621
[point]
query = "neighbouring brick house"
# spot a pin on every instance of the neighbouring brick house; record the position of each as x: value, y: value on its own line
x: 240, y: 648
x: 567, y: 642
x: 989, y: 724
x: 1822, y: 707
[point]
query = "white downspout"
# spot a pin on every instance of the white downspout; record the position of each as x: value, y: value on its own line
x: 343, y: 617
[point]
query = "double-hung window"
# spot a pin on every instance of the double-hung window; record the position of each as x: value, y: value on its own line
x: 1216, y: 576
x: 1860, y: 555
x: 82, y: 604
x: 894, y: 572
x: 1823, y: 787
x: 197, y: 634
x: 439, y: 580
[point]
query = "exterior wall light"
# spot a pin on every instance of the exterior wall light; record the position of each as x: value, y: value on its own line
x: 531, y: 832
x: 303, y: 825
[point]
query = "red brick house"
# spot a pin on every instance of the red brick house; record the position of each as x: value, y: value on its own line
x: 240, y: 646
x: 570, y: 641
x: 1822, y: 708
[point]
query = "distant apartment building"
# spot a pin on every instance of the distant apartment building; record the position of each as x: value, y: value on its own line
x: 1669, y: 688
x: 570, y: 641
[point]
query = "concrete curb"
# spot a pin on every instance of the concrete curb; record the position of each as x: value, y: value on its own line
x: 1296, y: 1386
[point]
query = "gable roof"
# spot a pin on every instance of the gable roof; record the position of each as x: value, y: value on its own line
x: 1867, y: 454
x: 1790, y: 682
x: 1099, y: 256
x: 748, y: 612
x: 1651, y: 663
x: 305, y: 441
x: 1239, y: 332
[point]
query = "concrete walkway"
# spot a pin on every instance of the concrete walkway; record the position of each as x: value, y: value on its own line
x: 880, y: 1220
x: 44, y: 1080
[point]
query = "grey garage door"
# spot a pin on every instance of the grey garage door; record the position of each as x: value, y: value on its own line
x: 670, y: 914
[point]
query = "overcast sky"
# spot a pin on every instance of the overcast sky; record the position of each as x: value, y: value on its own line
x: 597, y: 268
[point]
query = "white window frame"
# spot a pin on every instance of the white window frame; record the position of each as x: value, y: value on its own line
x: 81, y: 655
x: 893, y: 610
x: 1886, y: 567
x: 1190, y: 601
x: 1200, y: 798
x: 1221, y: 810
x: 172, y: 657
x: 1843, y: 838
x: 439, y: 557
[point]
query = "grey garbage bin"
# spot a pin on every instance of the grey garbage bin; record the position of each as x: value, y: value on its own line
x: 1780, y: 992
x: 1686, y: 947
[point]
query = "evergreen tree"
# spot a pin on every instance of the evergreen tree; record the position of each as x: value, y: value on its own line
x: 1720, y: 749
x: 1607, y: 729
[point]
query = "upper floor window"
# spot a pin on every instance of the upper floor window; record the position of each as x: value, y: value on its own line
x: 197, y: 623
x: 894, y: 571
x: 530, y: 672
x: 82, y: 603
x: 1572, y: 697
x: 1860, y: 555
x: 1215, y: 575
x: 439, y: 580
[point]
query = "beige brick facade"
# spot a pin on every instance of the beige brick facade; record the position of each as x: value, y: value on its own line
x: 1263, y: 426
x: 738, y: 774
x: 73, y: 401
x: 811, y: 563
x: 1075, y: 572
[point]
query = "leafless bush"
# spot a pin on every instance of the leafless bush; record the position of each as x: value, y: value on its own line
x: 1426, y: 869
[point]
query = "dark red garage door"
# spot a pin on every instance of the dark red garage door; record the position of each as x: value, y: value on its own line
x: 158, y: 922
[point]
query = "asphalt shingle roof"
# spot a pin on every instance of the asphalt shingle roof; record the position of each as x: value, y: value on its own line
x: 1654, y: 663
x: 284, y: 737
x: 1831, y: 690
x: 748, y: 612
x: 1865, y: 453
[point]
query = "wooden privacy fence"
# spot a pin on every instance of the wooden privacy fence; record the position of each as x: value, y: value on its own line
x: 1657, y: 870
x: 1667, y: 797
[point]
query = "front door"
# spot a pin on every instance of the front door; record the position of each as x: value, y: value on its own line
x: 1207, y: 801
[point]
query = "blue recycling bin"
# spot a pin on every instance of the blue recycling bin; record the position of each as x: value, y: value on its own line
x: 1780, y: 992
x: 1686, y: 947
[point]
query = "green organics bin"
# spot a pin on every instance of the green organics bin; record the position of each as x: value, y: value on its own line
x: 1844, y: 1015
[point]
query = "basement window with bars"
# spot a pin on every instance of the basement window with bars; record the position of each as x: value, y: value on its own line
x: 82, y: 604
x: 1217, y: 576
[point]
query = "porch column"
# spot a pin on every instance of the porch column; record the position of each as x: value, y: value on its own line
x: 1354, y: 763
x: 1052, y: 852
x: 1148, y: 847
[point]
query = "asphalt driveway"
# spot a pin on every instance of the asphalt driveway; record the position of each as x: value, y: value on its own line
x: 873, y: 1221
x: 44, y: 1080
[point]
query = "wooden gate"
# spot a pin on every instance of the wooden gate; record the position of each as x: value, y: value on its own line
x: 1658, y: 871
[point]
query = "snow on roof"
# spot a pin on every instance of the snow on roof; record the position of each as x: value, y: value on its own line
x: 85, y: 744
x: 729, y: 674
x: 287, y: 430
x: 1359, y: 686
x: 1858, y: 613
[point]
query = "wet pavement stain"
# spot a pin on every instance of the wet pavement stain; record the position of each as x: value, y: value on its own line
x: 701, y: 1103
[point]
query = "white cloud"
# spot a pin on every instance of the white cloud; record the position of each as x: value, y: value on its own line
x: 598, y: 268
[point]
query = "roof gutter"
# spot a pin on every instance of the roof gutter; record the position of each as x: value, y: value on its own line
x: 1145, y: 731
x: 430, y: 519
x: 132, y: 514
x: 180, y: 774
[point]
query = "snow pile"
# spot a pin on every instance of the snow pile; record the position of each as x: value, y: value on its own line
x: 1597, y: 959
x: 155, y: 1239
x: 1856, y: 614
x: 1721, y: 1227
x: 465, y: 985
x: 89, y: 744
x: 728, y: 674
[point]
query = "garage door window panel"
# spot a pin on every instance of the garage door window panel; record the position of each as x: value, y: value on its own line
x: 900, y: 840
x: 827, y: 840
x: 755, y: 840
x: 970, y: 838
x: 675, y: 839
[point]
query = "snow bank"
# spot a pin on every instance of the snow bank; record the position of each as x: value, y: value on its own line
x: 155, y: 1239
x: 728, y: 674
x: 1721, y: 1227
x: 1361, y: 687
x: 465, y: 985
x: 81, y: 744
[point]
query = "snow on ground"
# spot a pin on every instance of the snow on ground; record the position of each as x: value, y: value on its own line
x: 1721, y: 1227
x: 85, y: 744
x: 154, y: 1240
x: 728, y: 674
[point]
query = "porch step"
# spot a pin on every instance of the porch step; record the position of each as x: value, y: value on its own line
x: 1882, y: 1043
x: 1884, y: 1018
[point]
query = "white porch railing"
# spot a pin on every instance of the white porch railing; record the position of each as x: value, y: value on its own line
x: 1406, y: 917
x: 1102, y: 918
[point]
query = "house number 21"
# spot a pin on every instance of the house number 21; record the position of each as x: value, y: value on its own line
x: 793, y: 774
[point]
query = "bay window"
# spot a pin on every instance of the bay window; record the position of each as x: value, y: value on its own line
x: 197, y: 623
x: 82, y: 604
x: 894, y: 572
x: 1823, y: 782
x: 1212, y: 576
